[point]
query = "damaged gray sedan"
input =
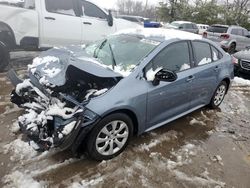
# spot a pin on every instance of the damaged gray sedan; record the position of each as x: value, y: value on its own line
x: 100, y: 95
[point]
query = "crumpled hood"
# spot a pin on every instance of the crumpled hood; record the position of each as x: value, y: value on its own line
x: 244, y: 54
x: 51, y: 66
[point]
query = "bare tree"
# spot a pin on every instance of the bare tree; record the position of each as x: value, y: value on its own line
x: 138, y: 8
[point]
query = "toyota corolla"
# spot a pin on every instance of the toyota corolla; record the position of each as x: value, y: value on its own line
x: 132, y: 82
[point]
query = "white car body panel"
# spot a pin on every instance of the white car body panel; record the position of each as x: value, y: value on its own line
x: 23, y: 22
x: 98, y: 29
x: 59, y: 29
x: 64, y: 30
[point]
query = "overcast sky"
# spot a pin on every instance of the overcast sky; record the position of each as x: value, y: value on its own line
x: 112, y: 3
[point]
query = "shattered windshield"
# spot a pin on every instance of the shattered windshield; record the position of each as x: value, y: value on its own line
x: 124, y: 51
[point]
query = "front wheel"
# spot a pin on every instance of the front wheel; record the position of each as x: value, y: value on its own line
x: 109, y: 137
x: 219, y: 95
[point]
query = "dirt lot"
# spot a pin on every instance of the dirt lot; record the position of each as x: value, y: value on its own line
x: 208, y: 148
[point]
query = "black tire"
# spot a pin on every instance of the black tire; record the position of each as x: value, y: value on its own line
x: 97, y: 133
x: 4, y: 56
x: 214, y: 103
x: 232, y: 48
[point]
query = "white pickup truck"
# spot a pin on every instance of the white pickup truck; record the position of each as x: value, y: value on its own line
x: 37, y: 24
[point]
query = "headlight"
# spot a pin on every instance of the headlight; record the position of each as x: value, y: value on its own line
x: 89, y: 115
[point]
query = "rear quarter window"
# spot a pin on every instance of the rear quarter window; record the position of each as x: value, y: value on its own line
x: 216, y: 54
x: 202, y: 52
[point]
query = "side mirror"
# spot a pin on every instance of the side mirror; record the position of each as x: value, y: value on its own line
x: 110, y: 19
x: 164, y: 76
x: 248, y: 36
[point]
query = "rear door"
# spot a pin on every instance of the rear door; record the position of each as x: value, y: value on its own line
x: 206, y: 72
x: 237, y: 34
x: 60, y: 24
x: 94, y: 22
x: 170, y: 99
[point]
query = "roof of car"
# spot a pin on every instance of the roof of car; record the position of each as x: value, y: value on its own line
x: 181, y: 22
x: 161, y: 34
x: 220, y: 25
x: 202, y: 25
x: 129, y: 16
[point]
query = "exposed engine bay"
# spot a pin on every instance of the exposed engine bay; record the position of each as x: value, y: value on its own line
x: 53, y: 112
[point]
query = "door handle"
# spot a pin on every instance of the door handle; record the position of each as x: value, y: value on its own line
x: 87, y: 23
x: 49, y: 18
x: 190, y: 78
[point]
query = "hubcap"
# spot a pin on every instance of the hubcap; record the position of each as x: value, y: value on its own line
x: 112, y: 138
x: 219, y: 96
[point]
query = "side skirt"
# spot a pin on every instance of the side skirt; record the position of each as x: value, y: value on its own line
x: 174, y: 118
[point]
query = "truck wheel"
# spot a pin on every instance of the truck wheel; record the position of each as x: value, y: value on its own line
x: 109, y: 137
x: 4, y: 56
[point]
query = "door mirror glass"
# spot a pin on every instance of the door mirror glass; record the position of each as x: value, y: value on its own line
x: 110, y: 19
x: 164, y: 76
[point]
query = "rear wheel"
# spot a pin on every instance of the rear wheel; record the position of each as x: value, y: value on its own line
x: 232, y: 48
x: 219, y: 95
x: 4, y: 56
x: 109, y: 137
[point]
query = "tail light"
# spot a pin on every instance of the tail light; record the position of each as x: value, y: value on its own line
x: 224, y: 36
x: 235, y: 61
x: 205, y: 34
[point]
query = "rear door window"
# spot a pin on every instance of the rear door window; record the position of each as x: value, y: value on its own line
x: 217, y: 29
x: 92, y: 10
x: 174, y: 57
x: 202, y: 53
x: 216, y: 54
x: 237, y: 32
x: 245, y: 32
x: 194, y: 26
x: 188, y: 26
x: 60, y: 7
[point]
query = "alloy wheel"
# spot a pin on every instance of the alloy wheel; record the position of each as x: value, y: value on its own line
x: 219, y: 96
x: 112, y: 137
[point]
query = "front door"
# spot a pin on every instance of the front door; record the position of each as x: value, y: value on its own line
x: 170, y: 99
x: 60, y: 24
x: 94, y: 23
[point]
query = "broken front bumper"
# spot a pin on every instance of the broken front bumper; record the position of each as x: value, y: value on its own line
x: 46, y: 122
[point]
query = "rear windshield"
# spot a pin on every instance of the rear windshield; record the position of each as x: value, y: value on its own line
x: 217, y: 29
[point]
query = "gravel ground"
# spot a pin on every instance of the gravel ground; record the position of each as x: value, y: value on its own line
x: 207, y: 148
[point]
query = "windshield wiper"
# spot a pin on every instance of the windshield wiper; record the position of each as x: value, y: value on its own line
x: 113, y: 57
x: 99, y: 48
